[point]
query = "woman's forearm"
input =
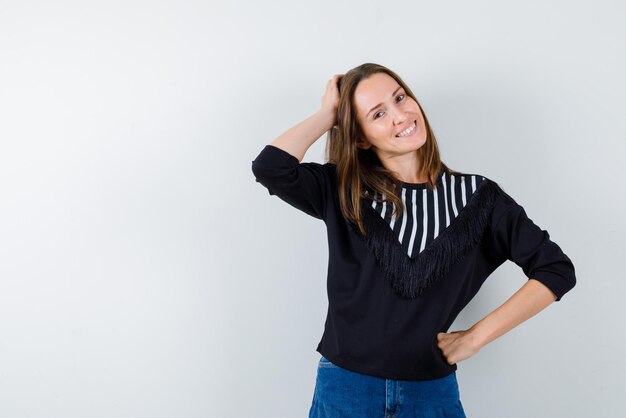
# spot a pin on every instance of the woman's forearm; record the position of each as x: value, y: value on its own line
x: 530, y: 299
x: 299, y: 138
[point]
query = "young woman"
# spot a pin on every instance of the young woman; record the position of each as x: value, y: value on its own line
x: 410, y: 243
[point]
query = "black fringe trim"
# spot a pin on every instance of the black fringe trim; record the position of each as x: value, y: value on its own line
x: 410, y: 277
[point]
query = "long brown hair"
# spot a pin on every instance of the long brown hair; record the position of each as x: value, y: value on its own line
x: 360, y: 169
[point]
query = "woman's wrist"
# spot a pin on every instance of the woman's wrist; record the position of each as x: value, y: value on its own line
x: 328, y: 115
x: 478, y: 336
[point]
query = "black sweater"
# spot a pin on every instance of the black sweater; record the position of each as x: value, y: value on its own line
x: 391, y: 293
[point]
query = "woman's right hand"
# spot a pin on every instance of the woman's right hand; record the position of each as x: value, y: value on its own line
x: 330, y: 99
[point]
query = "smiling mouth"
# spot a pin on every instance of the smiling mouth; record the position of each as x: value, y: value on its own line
x: 408, y: 131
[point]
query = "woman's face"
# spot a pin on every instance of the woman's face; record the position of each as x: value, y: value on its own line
x: 385, y: 112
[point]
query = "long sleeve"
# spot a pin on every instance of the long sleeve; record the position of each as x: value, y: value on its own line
x: 517, y: 238
x: 302, y: 185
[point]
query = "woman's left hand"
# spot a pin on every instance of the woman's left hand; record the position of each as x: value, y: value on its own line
x: 457, y: 345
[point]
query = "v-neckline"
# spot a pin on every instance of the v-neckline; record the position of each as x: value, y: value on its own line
x: 438, y: 235
x: 410, y: 276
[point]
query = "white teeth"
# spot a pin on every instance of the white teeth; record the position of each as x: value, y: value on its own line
x: 407, y: 131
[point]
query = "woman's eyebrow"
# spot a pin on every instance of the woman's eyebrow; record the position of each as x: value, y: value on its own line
x: 380, y: 104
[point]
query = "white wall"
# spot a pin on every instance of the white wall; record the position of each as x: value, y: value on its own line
x: 137, y: 278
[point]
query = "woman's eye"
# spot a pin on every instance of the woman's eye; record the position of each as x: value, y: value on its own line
x: 401, y: 96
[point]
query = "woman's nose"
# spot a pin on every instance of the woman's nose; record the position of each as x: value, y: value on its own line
x: 399, y: 117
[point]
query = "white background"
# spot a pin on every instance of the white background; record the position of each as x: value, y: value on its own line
x: 144, y: 272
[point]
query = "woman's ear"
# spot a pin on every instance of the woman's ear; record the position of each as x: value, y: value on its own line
x: 363, y: 144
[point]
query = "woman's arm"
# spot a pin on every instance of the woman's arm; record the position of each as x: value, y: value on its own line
x: 279, y: 165
x: 530, y: 299
x: 299, y: 138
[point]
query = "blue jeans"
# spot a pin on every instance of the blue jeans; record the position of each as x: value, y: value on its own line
x: 343, y: 393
